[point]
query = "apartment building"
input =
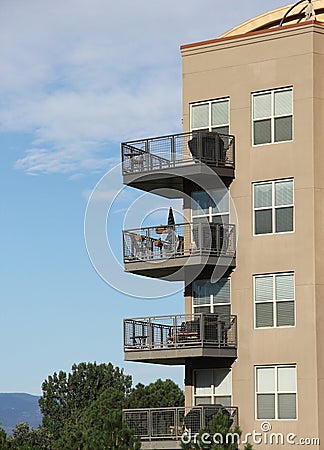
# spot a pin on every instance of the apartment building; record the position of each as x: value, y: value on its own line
x: 249, y: 166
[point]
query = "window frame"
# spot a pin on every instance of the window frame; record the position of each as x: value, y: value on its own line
x: 274, y: 301
x: 211, y: 303
x: 276, y: 391
x: 212, y: 394
x: 209, y: 103
x: 210, y: 214
x: 273, y: 206
x: 272, y: 116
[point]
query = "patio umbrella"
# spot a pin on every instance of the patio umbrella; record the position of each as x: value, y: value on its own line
x: 170, y: 237
x: 171, y: 220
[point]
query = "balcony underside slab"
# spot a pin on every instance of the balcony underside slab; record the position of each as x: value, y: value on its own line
x: 170, y: 181
x: 182, y: 267
x: 170, y: 444
x: 178, y: 356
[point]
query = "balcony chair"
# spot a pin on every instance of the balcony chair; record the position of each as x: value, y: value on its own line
x: 203, y: 415
x: 208, y: 148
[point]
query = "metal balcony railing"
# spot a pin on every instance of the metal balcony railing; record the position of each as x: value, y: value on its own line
x: 180, y: 331
x: 172, y: 423
x: 174, y: 241
x: 146, y: 155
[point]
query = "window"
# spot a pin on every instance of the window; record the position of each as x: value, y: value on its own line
x: 211, y: 116
x: 213, y: 386
x: 272, y: 116
x: 276, y: 392
x: 213, y: 207
x: 210, y: 298
x: 273, y: 206
x: 274, y: 296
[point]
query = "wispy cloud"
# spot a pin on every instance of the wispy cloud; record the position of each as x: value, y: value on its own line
x: 80, y: 77
x: 68, y: 159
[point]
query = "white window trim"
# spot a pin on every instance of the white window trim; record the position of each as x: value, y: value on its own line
x: 273, y: 207
x: 274, y: 301
x: 209, y: 103
x: 211, y: 303
x: 272, y: 117
x: 274, y: 366
x: 212, y: 387
x: 209, y: 216
x: 210, y: 213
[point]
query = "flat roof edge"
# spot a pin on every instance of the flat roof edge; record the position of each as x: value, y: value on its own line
x: 250, y: 34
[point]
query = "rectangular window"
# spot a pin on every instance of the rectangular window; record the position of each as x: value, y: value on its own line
x: 211, y: 116
x: 273, y: 204
x: 272, y: 116
x: 212, y: 206
x: 276, y: 392
x: 213, y: 386
x: 274, y: 299
x: 210, y: 298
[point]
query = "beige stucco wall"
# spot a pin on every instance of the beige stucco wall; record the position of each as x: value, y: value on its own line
x: 235, y: 68
x: 319, y: 215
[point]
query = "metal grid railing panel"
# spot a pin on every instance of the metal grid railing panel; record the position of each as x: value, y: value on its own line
x: 180, y: 331
x: 138, y: 421
x: 171, y: 423
x: 163, y: 422
x: 168, y: 241
x: 175, y: 150
x: 135, y: 333
x: 193, y: 419
x: 210, y: 411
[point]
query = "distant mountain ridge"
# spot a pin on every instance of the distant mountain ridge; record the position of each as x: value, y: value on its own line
x: 19, y: 408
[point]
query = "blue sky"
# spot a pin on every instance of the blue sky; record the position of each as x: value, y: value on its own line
x: 77, y: 78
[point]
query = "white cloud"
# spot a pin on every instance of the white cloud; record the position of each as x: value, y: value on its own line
x: 78, y: 75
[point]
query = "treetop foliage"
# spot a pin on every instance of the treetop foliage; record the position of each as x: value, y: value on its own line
x: 82, y: 410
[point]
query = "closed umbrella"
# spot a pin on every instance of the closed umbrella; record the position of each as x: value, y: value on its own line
x: 171, y: 220
x: 170, y: 237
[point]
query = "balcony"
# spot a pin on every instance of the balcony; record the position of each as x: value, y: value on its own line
x: 172, y: 163
x: 178, y: 252
x: 162, y: 428
x: 172, y: 340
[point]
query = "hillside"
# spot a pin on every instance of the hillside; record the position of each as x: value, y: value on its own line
x: 19, y: 408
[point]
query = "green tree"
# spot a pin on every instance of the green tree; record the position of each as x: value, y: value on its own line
x: 39, y: 439
x: 66, y: 396
x: 155, y: 395
x: 82, y: 410
x: 218, y: 434
x: 25, y: 438
x: 72, y: 437
x: 110, y: 433
x: 20, y: 436
x: 3, y: 439
x: 100, y: 427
